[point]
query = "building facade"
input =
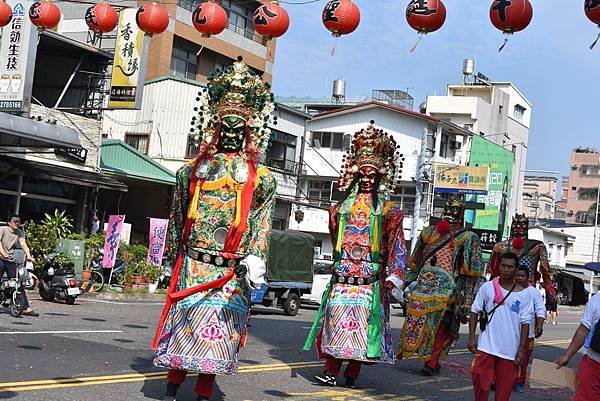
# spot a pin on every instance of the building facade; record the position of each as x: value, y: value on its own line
x: 580, y: 189
x: 496, y: 111
x: 539, y: 197
x: 329, y: 137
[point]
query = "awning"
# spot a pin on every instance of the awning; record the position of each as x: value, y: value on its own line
x: 24, y: 132
x: 121, y: 160
x: 77, y: 176
x: 593, y: 266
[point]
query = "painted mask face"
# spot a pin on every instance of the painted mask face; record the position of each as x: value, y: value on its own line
x: 367, y: 175
x: 232, y: 134
x: 454, y: 211
x: 519, y: 226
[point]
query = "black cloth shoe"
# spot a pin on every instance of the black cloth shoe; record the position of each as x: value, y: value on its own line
x: 327, y: 379
x: 201, y: 398
x: 427, y: 371
x: 350, y: 382
x: 171, y: 392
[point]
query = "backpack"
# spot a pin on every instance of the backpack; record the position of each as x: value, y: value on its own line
x: 595, y: 343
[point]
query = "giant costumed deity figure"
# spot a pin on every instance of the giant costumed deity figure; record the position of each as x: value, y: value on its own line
x: 532, y: 253
x: 444, y: 271
x: 369, y: 261
x: 219, y: 231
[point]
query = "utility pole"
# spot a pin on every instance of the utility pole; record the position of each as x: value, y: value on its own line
x: 417, y: 212
x: 594, y: 243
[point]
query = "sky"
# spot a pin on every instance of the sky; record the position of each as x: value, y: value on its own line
x: 549, y: 62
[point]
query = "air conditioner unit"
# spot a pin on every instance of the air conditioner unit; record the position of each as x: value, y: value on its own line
x: 455, y: 145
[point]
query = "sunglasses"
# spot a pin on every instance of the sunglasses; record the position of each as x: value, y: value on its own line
x: 16, y: 221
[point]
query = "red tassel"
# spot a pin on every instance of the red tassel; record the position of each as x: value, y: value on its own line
x: 443, y: 227
x: 518, y: 243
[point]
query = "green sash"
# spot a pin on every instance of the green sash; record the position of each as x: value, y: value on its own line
x: 374, y: 327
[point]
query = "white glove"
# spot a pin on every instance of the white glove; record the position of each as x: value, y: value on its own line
x: 256, y: 270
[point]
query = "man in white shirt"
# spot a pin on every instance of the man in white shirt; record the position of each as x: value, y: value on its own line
x: 536, y: 322
x: 588, y: 377
x: 502, y: 345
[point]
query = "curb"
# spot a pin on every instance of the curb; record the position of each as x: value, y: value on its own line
x: 115, y: 296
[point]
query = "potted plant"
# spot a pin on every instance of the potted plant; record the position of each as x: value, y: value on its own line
x: 152, y: 273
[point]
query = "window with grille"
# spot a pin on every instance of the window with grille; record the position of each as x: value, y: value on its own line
x: 184, y: 61
x: 191, y: 149
x: 519, y: 112
x: 320, y: 191
x: 138, y: 141
x: 331, y: 140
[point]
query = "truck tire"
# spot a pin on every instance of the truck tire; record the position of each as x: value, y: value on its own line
x: 291, y: 305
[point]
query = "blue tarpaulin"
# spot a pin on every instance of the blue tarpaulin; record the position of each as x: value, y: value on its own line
x: 593, y: 266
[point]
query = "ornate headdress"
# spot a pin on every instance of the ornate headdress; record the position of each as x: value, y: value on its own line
x: 235, y: 90
x: 372, y: 147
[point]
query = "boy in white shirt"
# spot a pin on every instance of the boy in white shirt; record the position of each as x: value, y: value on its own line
x: 536, y: 322
x: 503, y: 343
x: 588, y: 377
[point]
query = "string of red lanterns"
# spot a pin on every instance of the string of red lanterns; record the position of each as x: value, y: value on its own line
x: 340, y: 17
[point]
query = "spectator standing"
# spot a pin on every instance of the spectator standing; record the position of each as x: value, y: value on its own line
x: 588, y: 336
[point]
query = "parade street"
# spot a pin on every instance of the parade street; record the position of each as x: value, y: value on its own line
x: 99, y: 350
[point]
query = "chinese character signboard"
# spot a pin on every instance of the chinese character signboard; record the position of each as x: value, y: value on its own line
x: 112, y: 239
x: 488, y: 238
x: 500, y: 162
x: 461, y: 179
x: 17, y: 59
x: 129, y: 68
x: 156, y: 246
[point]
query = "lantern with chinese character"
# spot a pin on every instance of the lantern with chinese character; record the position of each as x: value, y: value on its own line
x: 101, y: 18
x: 592, y: 11
x: 425, y: 17
x: 209, y: 19
x: 271, y: 20
x: 510, y: 16
x: 5, y: 14
x: 44, y: 14
x: 341, y: 17
x: 152, y: 18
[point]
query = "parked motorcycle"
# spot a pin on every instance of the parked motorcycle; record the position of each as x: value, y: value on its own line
x: 58, y: 283
x: 31, y: 280
x: 11, y: 288
x: 101, y: 276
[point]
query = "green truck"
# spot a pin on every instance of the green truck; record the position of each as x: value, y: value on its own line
x: 289, y: 271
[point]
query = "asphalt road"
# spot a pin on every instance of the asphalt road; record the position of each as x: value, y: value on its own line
x: 99, y: 350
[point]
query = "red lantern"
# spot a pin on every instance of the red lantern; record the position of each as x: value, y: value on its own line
x: 341, y: 17
x: 209, y: 18
x: 271, y: 20
x: 101, y: 18
x: 5, y: 14
x: 44, y: 14
x: 152, y: 18
x: 592, y: 11
x: 511, y: 16
x: 426, y: 16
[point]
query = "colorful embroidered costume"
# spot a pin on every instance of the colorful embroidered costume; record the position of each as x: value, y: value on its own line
x: 219, y: 231
x: 445, y: 269
x: 369, y: 253
x: 532, y: 253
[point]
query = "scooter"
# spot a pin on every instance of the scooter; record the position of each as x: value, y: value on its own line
x: 11, y: 288
x: 58, y: 283
x: 31, y: 280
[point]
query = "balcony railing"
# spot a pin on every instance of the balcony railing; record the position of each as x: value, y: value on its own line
x: 190, y: 5
x: 287, y: 166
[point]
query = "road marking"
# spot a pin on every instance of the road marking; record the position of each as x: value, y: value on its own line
x: 62, y: 332
x: 134, y: 377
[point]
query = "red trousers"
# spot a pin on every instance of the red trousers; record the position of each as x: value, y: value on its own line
x: 588, y: 380
x: 485, y: 368
x: 523, y: 368
x: 441, y: 339
x: 334, y: 365
x: 204, y: 385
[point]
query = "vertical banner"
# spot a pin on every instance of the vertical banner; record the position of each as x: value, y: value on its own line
x: 156, y: 246
x: 129, y: 67
x: 112, y: 239
x: 18, y: 50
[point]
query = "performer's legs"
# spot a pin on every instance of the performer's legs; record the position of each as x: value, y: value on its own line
x: 525, y: 363
x: 441, y: 337
x: 351, y: 373
x: 482, y: 372
x: 506, y: 377
x: 333, y: 365
x: 174, y: 379
x: 204, y: 385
